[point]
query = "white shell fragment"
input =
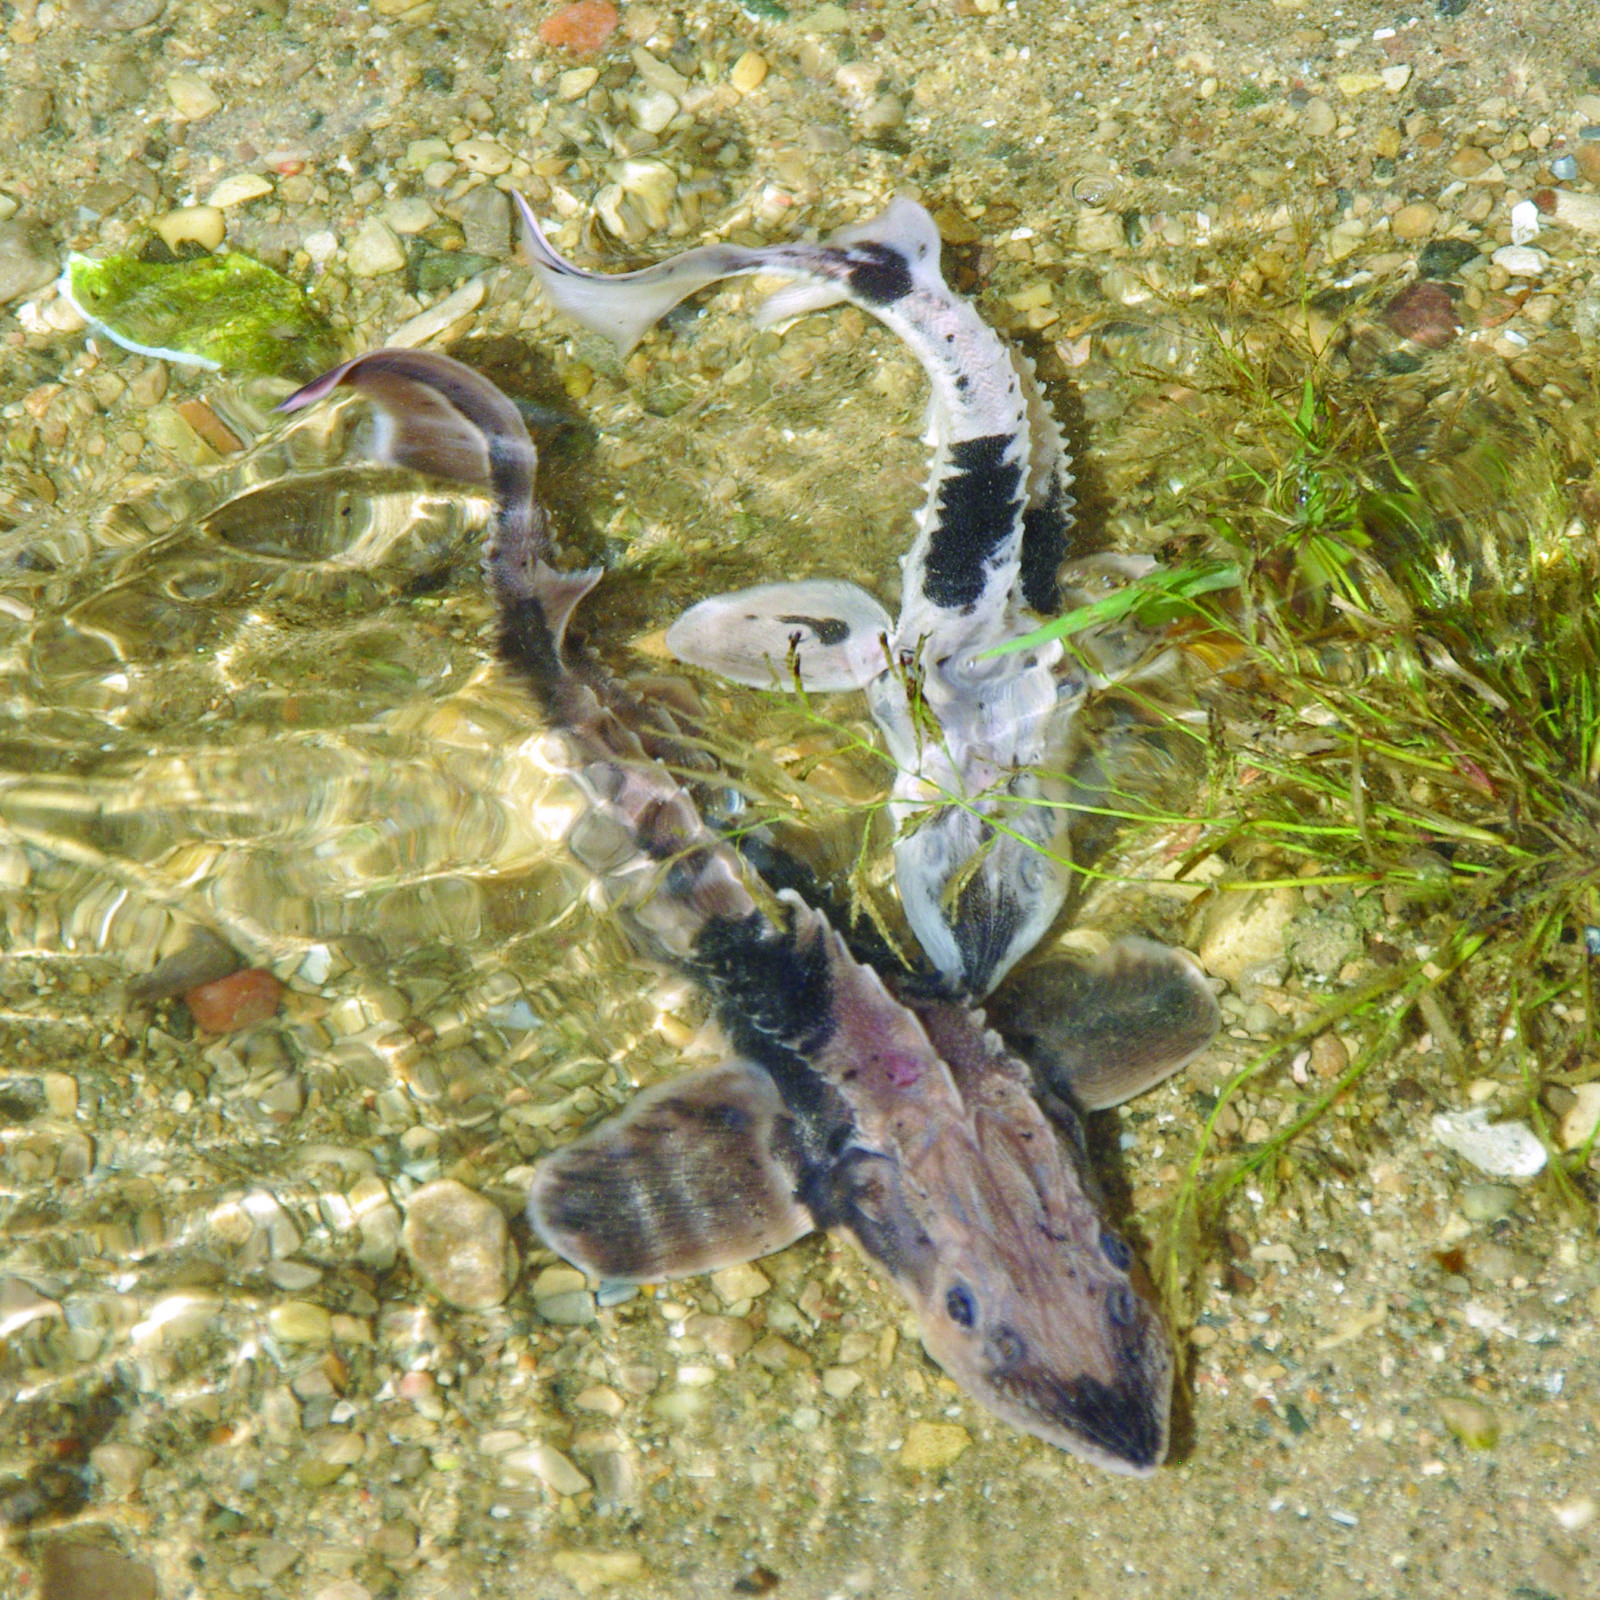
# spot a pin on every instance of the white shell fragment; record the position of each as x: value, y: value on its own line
x: 1501, y: 1149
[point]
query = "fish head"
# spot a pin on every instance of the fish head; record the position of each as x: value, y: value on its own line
x: 1059, y: 1346
x: 1026, y: 1295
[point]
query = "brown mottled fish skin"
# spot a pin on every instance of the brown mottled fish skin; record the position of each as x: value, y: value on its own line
x: 904, y: 1124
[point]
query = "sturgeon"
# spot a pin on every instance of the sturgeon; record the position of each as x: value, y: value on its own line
x: 899, y: 1121
x: 979, y: 743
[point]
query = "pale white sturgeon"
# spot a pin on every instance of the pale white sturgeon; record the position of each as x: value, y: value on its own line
x: 979, y: 743
x: 901, y: 1122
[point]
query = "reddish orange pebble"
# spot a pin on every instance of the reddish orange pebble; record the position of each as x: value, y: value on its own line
x: 581, y: 27
x: 234, y: 1002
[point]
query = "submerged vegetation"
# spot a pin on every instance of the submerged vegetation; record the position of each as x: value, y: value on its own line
x: 1404, y: 694
x: 1381, y: 649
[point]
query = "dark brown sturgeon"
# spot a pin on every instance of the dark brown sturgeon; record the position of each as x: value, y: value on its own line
x: 903, y: 1123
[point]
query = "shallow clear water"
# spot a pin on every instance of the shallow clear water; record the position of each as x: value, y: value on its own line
x: 255, y: 695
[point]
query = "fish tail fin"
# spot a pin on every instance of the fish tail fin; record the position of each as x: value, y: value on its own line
x: 625, y: 305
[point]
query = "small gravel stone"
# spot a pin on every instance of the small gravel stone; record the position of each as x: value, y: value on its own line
x: 1415, y: 221
x: 1521, y: 260
x: 1319, y: 116
x: 933, y: 1446
x: 1425, y: 313
x: 120, y: 1467
x: 600, y: 1397
x: 1580, y: 1117
x: 750, y: 72
x: 301, y: 1322
x: 581, y: 27
x: 548, y: 1465
x: 374, y: 250
x: 191, y: 96
x: 1470, y: 1421
x: 576, y: 82
x: 201, y: 225
x: 459, y: 1244
x: 1487, y: 1202
x: 746, y: 1281
x: 240, y: 1000
x: 1244, y: 928
x: 590, y: 1571
x: 28, y: 259
x: 1500, y: 1149
x: 482, y: 155
x: 238, y: 189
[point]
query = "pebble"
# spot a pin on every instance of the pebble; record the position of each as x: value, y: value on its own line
x: 600, y: 1397
x: 459, y: 1244
x: 652, y: 109
x: 548, y: 1465
x: 581, y: 27
x: 746, y: 1281
x: 1415, y: 221
x: 483, y: 156
x: 410, y: 214
x: 240, y: 1000
x: 1521, y: 260
x: 1319, y: 116
x: 119, y: 1467
x: 1579, y: 1120
x: 201, y: 225
x: 933, y: 1446
x: 590, y: 1571
x: 1424, y: 313
x: 191, y: 96
x: 576, y: 82
x: 300, y: 1322
x: 70, y: 1570
x: 1500, y: 1149
x: 1487, y: 1202
x: 750, y: 72
x: 1469, y: 1421
x: 28, y: 259
x: 1243, y: 928
x: 374, y: 251
x: 238, y: 189
x: 1572, y: 210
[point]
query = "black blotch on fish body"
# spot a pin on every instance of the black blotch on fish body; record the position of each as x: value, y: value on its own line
x: 976, y: 510
x: 1044, y: 548
x: 528, y: 647
x: 829, y: 630
x: 774, y: 1001
x: 778, y: 987
x: 879, y: 274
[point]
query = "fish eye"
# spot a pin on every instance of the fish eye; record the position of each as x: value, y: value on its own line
x: 1115, y: 1250
x: 1122, y: 1306
x: 1006, y: 1347
x: 960, y: 1305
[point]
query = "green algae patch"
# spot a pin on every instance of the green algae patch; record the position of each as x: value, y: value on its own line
x: 214, y: 311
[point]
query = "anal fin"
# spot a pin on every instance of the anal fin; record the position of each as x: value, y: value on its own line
x: 691, y: 1176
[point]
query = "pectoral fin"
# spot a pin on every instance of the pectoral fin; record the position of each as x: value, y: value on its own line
x: 830, y: 631
x: 1106, y: 1030
x: 693, y: 1175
